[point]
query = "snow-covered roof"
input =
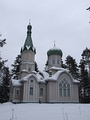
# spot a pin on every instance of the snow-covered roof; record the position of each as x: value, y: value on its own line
x: 27, y: 77
x: 44, y: 76
x: 38, y: 77
x: 58, y: 68
x: 58, y: 73
x: 16, y: 82
x: 76, y: 81
x: 54, y: 77
x: 24, y: 70
x: 34, y: 72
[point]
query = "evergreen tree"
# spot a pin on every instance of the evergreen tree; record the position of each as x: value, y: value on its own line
x: 1, y: 82
x: 85, y: 76
x: 1, y: 72
x: 82, y: 68
x: 88, y: 9
x: 36, y: 67
x: 46, y: 65
x: 71, y: 65
x: 16, y: 66
x: 2, y: 42
x: 4, y: 90
x: 4, y: 78
x: 63, y: 65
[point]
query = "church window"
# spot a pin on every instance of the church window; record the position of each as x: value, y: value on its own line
x: 60, y: 85
x: 57, y: 61
x: 31, y: 81
x: 68, y: 89
x: 53, y: 61
x: 64, y: 88
x: 31, y: 90
x: 64, y: 92
x: 64, y: 85
x: 68, y: 85
x: 41, y: 91
x: 29, y: 69
x: 60, y: 91
x: 68, y: 92
x: 17, y: 91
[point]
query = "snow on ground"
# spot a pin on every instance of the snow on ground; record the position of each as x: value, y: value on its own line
x: 36, y: 111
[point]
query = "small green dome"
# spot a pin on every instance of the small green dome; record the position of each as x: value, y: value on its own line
x: 54, y: 51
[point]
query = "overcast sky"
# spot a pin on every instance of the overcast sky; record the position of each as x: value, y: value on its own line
x: 64, y: 21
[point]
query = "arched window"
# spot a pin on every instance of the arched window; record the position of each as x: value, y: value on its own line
x: 68, y: 89
x: 57, y: 61
x: 64, y: 88
x: 60, y: 89
x: 31, y: 90
x: 17, y: 92
x: 41, y: 91
x: 31, y: 81
x: 53, y: 61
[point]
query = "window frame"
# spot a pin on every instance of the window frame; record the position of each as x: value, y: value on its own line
x: 17, y: 91
x: 58, y: 62
x: 31, y: 90
x: 53, y: 61
x: 64, y: 88
x: 41, y: 92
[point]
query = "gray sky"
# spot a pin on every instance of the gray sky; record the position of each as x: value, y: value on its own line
x: 64, y: 21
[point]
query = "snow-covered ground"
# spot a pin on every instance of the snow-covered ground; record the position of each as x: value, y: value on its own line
x: 35, y: 111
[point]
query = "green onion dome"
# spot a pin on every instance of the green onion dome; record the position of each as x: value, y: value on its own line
x: 55, y: 51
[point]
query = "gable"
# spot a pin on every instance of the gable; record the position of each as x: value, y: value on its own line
x: 32, y: 80
x: 65, y: 76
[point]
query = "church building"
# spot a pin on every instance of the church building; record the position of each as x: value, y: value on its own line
x: 53, y: 85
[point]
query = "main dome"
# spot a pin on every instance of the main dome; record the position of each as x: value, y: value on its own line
x: 55, y: 51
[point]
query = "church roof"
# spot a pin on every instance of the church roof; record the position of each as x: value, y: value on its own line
x: 58, y: 69
x: 58, y: 73
x: 37, y: 75
x: 55, y: 51
x: 28, y: 45
x: 43, y: 77
x: 16, y: 82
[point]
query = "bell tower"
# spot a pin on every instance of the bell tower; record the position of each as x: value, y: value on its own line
x: 28, y: 52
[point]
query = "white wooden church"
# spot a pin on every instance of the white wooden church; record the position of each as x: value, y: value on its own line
x: 53, y: 85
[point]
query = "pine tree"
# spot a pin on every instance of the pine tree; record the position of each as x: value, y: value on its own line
x: 16, y: 67
x: 5, y: 84
x: 63, y: 65
x: 2, y: 42
x: 71, y: 65
x: 4, y: 78
x: 85, y: 76
x: 88, y: 9
x: 36, y: 67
